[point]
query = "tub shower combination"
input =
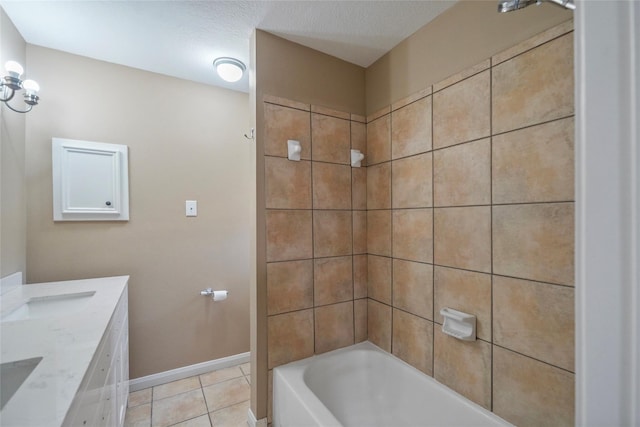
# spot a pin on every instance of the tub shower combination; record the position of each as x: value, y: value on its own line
x: 362, y: 385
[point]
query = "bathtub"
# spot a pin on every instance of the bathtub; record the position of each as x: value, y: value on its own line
x: 362, y: 385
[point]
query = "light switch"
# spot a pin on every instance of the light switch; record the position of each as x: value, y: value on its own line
x: 191, y: 207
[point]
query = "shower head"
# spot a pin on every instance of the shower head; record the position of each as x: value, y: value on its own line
x: 510, y: 5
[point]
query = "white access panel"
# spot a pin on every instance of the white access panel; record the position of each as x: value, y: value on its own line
x: 90, y: 181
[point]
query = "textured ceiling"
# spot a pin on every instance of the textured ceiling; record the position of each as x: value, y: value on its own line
x: 182, y: 38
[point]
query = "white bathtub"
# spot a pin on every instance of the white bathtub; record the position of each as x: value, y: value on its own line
x: 362, y: 385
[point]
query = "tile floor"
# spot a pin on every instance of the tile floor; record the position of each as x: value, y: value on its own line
x: 218, y: 398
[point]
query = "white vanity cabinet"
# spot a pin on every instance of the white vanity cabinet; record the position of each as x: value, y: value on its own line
x: 102, y: 397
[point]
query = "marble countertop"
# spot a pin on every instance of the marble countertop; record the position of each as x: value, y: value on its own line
x: 67, y: 342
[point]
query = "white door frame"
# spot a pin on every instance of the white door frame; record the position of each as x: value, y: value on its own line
x: 607, y: 213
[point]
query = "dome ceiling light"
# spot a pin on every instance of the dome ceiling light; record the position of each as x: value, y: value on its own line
x: 229, y: 69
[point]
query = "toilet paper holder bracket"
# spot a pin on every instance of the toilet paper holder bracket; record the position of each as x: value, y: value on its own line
x: 215, y: 295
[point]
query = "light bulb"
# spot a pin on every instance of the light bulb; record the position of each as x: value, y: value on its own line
x: 14, y: 69
x: 31, y: 87
x: 229, y: 69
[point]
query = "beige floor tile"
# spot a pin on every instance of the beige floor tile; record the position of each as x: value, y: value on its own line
x: 246, y: 368
x: 232, y: 416
x: 178, y: 408
x: 226, y: 393
x: 175, y: 387
x: 138, y: 416
x: 140, y: 397
x: 220, y: 375
x: 201, y: 421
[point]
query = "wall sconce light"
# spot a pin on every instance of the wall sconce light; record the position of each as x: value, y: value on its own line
x: 12, y: 83
x: 229, y: 69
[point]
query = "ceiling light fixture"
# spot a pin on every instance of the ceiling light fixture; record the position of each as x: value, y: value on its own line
x: 229, y: 69
x: 12, y: 83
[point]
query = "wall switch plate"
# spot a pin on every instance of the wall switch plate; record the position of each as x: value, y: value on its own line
x: 191, y: 207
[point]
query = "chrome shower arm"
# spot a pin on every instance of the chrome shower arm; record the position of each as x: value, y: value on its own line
x: 511, y: 5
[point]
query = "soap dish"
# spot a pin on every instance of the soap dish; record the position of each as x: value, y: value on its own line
x: 458, y: 324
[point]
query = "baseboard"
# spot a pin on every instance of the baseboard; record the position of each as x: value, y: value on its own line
x: 187, y: 371
x: 253, y: 422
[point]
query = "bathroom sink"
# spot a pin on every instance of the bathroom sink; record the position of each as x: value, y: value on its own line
x: 49, y: 306
x: 12, y: 375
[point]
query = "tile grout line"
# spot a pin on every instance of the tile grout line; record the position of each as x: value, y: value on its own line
x: 353, y: 238
x: 477, y: 271
x: 390, y: 136
x: 433, y: 245
x: 462, y: 79
x: 491, y: 212
x: 532, y: 358
x: 457, y: 144
x: 531, y: 48
x: 313, y: 246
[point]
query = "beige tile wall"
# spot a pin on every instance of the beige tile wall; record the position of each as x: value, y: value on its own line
x: 470, y: 206
x: 466, y: 202
x: 316, y: 228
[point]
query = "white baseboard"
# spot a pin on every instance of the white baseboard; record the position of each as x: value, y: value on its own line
x: 10, y: 282
x: 187, y: 371
x: 253, y: 422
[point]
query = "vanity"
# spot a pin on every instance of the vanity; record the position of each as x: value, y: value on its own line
x: 64, y: 353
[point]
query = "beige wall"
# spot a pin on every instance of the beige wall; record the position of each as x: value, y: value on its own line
x: 288, y: 70
x: 462, y: 36
x: 13, y: 219
x: 185, y: 142
x: 470, y: 206
x: 293, y: 71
